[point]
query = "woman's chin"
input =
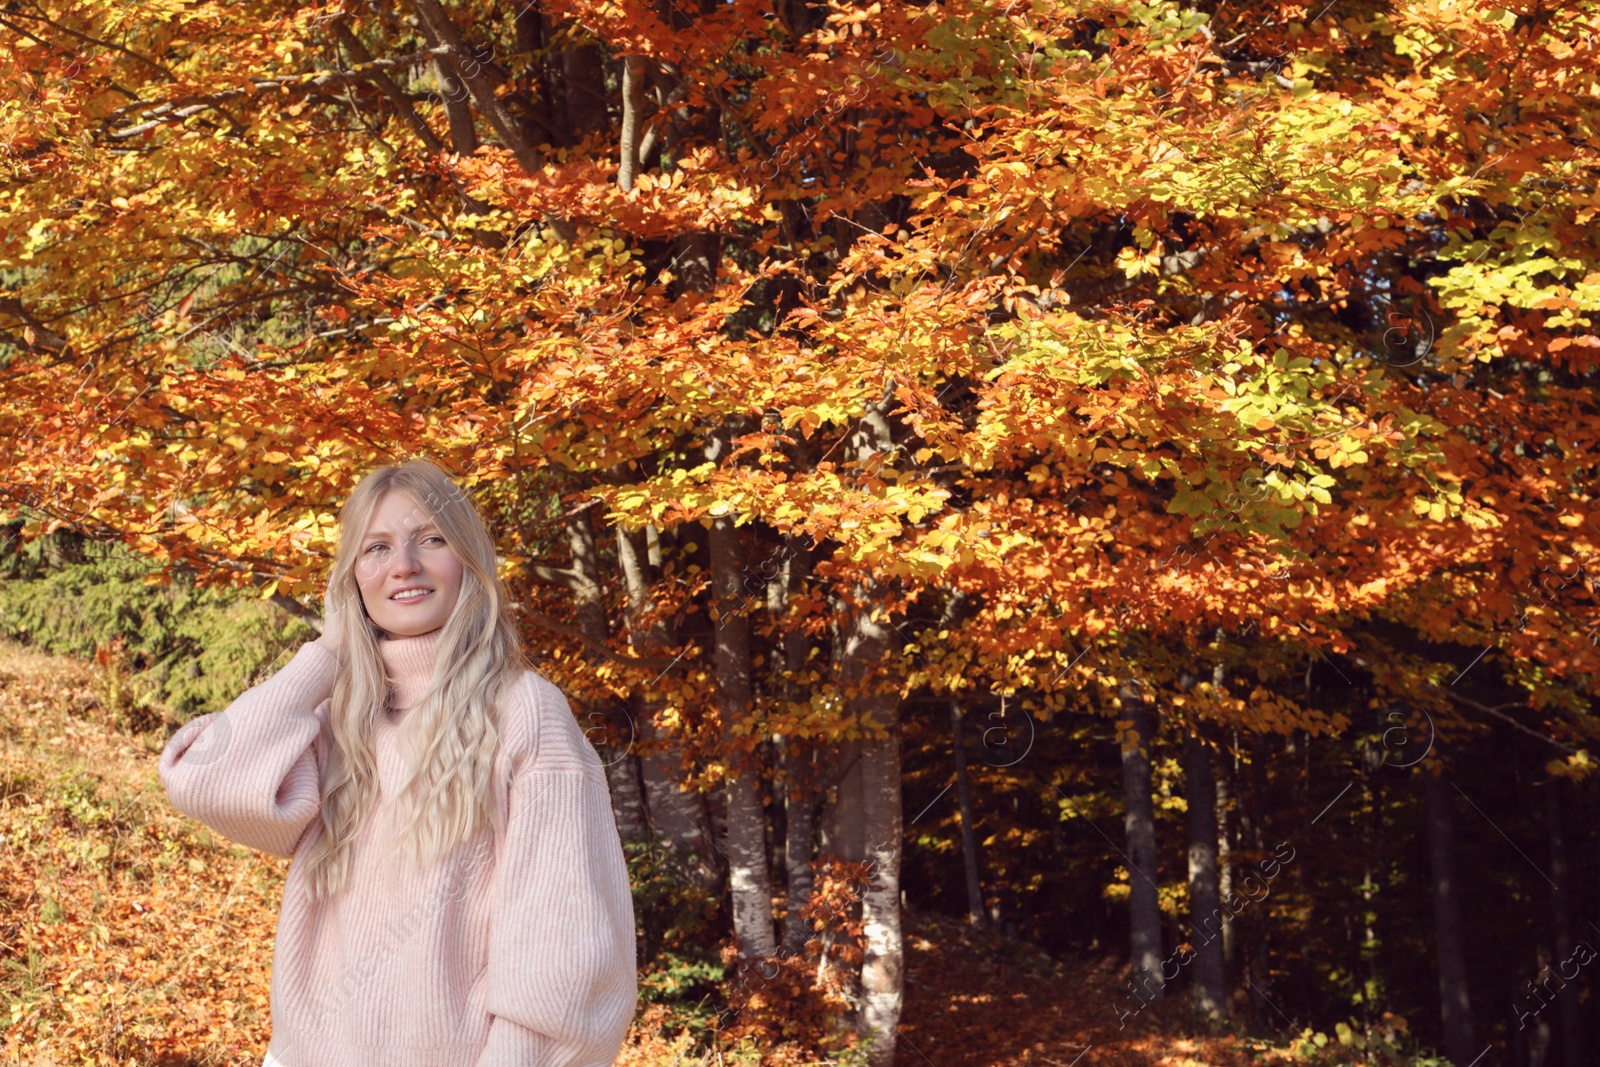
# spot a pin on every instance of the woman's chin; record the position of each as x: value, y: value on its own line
x: 411, y: 628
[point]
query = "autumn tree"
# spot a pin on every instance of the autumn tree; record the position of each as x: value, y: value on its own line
x: 1126, y: 322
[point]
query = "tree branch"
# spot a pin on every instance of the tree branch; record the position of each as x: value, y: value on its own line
x: 1503, y: 717
x: 85, y: 37
x: 397, y: 96
x: 455, y: 51
x: 291, y: 85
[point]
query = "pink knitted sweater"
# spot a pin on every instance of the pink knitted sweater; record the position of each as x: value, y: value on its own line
x: 515, y: 950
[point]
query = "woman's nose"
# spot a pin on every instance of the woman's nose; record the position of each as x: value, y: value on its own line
x: 405, y: 560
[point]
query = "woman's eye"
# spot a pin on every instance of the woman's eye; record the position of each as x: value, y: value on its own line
x: 425, y: 540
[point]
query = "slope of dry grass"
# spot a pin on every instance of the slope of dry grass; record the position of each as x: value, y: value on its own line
x: 130, y: 933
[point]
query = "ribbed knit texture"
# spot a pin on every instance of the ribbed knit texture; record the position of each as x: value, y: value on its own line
x: 515, y: 950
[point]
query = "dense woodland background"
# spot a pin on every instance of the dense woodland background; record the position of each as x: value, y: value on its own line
x: 1120, y: 474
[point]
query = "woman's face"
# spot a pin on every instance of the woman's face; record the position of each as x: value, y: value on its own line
x: 402, y: 550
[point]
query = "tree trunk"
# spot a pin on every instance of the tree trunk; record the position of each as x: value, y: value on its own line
x: 590, y: 609
x: 969, y: 840
x: 745, y: 845
x: 799, y: 760
x: 881, y: 975
x: 799, y: 16
x: 1225, y: 830
x: 1561, y: 907
x: 457, y: 109
x: 391, y: 89
x: 634, y: 74
x: 839, y: 827
x: 840, y: 834
x: 696, y: 258
x: 544, y: 123
x: 457, y: 104
x: 1144, y: 904
x: 1540, y: 1036
x: 872, y: 642
x: 1455, y: 1012
x: 627, y: 797
x: 678, y: 819
x: 1205, y: 904
x: 843, y: 821
x: 584, y: 81
x: 62, y: 548
x: 11, y: 557
x: 800, y: 825
x: 475, y: 82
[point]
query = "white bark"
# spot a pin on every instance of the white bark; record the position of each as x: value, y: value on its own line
x: 745, y: 843
x: 872, y: 641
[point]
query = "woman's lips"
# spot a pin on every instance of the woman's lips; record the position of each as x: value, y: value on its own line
x: 412, y: 599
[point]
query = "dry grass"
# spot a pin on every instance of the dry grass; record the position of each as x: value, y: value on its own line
x: 130, y: 933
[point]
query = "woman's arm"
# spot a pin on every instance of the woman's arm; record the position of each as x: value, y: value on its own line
x: 561, y: 983
x: 251, y: 772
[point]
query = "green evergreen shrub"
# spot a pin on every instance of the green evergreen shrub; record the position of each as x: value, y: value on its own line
x: 185, y: 649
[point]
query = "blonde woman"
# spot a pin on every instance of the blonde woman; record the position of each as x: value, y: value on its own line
x: 457, y: 894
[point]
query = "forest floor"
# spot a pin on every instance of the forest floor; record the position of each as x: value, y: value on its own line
x: 130, y: 934
x: 975, y: 999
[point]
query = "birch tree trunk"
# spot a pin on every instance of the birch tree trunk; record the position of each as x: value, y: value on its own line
x: 881, y: 968
x: 1225, y: 831
x: 871, y: 642
x: 1205, y: 898
x: 745, y: 844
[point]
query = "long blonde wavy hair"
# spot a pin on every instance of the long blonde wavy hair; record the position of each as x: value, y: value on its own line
x: 450, y: 734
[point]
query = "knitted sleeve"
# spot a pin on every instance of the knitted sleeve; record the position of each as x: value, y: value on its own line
x: 561, y: 985
x: 251, y: 772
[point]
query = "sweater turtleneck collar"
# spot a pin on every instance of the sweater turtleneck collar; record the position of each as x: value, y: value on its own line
x: 409, y: 662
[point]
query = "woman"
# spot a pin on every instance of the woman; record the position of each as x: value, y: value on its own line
x: 458, y: 893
